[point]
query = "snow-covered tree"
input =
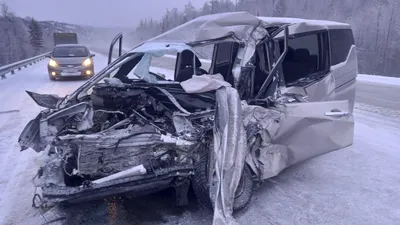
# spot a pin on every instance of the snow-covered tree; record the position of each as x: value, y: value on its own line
x: 375, y: 23
x: 5, y: 12
x: 189, y: 12
x: 35, y: 35
x: 280, y: 8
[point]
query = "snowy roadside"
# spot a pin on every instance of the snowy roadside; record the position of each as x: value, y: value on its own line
x: 376, y: 111
x: 18, y: 168
x: 392, y: 81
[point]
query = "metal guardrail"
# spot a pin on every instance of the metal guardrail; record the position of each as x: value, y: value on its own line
x: 10, y: 68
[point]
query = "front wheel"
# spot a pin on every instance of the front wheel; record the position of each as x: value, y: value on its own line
x: 201, y: 186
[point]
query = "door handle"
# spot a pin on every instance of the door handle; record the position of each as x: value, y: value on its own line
x: 336, y: 114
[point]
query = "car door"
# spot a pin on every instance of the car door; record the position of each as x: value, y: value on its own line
x: 309, y: 129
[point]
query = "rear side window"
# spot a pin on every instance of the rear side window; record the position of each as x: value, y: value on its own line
x: 224, y: 53
x: 341, y: 42
x: 70, y: 51
x: 223, y: 57
x: 307, y: 55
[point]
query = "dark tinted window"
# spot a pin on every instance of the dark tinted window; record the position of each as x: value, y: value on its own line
x: 70, y: 51
x: 65, y: 38
x: 223, y: 56
x: 261, y: 69
x: 307, y: 55
x: 341, y: 42
x: 224, y: 52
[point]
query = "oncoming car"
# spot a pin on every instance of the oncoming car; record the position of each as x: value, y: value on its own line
x: 245, y: 98
x: 70, y: 60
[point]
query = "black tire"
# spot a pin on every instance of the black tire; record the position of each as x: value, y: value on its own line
x: 201, y: 186
x: 52, y: 78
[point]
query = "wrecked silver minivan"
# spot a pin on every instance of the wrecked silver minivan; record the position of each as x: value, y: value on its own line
x: 277, y: 91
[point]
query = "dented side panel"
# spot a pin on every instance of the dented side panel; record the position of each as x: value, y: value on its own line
x: 315, y: 128
x: 283, y: 136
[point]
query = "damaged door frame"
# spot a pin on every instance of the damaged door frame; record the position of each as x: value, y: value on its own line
x: 110, y: 52
x: 278, y: 63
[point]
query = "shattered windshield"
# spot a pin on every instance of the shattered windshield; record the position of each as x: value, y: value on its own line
x: 163, y: 64
x: 154, y: 62
x: 161, y: 59
x: 150, y: 64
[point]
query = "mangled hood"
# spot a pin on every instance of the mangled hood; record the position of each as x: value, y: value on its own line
x: 30, y: 136
x: 36, y: 129
x: 45, y: 100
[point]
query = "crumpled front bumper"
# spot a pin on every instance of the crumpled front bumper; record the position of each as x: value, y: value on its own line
x: 137, y: 186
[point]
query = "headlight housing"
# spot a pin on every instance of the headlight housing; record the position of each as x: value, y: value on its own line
x: 87, y: 62
x: 52, y: 63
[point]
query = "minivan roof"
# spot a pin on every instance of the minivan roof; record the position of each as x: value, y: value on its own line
x: 298, y: 25
x: 289, y: 20
x: 220, y: 25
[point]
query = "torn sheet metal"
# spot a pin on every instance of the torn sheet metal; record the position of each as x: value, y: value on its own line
x: 267, y: 139
x: 230, y: 148
x: 51, y: 170
x: 230, y: 152
x: 262, y: 125
x: 212, y: 27
x: 237, y: 26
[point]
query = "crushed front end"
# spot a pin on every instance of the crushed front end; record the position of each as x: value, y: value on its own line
x: 127, y: 138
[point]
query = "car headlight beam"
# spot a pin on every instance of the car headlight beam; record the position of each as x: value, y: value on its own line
x: 52, y: 63
x: 87, y: 62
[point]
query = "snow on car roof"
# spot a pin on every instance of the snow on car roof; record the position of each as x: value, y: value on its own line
x: 211, y: 27
x: 289, y: 20
x: 304, y: 25
x: 222, y: 24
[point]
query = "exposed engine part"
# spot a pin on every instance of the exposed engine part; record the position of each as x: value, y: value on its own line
x: 121, y: 128
x: 134, y: 171
x: 193, y: 126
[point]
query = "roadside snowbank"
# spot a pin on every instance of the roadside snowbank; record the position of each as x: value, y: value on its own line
x: 393, y: 81
x: 17, y: 168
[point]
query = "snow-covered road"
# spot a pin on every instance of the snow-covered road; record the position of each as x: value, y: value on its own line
x: 356, y: 185
x: 17, y: 169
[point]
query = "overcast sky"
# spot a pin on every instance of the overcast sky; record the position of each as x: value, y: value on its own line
x: 104, y: 13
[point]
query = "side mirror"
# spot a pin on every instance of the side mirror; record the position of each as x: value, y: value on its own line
x: 92, y: 55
